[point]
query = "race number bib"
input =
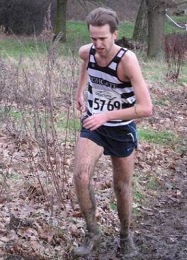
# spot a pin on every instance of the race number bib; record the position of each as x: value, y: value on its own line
x: 105, y: 101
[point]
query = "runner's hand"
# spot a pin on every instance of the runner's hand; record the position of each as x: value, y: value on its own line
x: 80, y: 104
x: 94, y: 121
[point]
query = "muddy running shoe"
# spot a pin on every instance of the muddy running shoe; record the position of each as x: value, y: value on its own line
x: 127, y: 246
x: 90, y: 243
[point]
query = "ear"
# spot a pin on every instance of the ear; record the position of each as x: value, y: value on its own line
x: 115, y: 35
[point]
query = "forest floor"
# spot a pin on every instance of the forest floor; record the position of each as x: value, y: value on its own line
x: 35, y: 226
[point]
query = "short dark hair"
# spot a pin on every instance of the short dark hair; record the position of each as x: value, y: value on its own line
x: 101, y: 16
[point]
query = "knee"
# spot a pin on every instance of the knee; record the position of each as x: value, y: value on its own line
x: 122, y: 188
x: 81, y: 174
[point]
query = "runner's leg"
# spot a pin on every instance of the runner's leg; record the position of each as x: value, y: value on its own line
x: 122, y: 176
x: 87, y: 154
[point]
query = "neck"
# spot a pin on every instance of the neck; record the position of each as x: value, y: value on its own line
x: 105, y: 59
x: 110, y: 54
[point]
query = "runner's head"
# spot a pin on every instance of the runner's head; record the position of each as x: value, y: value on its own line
x: 102, y: 16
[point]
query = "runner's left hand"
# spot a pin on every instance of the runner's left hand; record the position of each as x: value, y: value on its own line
x: 94, y: 121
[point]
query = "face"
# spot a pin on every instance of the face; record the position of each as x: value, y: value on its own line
x: 102, y: 38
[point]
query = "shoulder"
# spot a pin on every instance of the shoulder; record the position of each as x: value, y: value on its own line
x: 129, y: 56
x: 129, y: 65
x: 84, y: 51
x: 130, y: 61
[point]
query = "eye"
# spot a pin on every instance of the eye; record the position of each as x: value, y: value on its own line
x: 101, y: 39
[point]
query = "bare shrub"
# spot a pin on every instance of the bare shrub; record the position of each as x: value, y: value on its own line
x: 38, y: 111
x: 175, y: 53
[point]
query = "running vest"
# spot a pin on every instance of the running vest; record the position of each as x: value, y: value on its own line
x: 106, y: 92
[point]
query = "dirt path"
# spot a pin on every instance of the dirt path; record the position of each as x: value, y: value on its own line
x: 163, y: 232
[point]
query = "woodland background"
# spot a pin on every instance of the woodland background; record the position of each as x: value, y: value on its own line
x: 39, y: 125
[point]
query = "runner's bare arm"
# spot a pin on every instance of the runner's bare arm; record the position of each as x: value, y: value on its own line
x: 130, y: 69
x: 133, y: 71
x: 83, y: 78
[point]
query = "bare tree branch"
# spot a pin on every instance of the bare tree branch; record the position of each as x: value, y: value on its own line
x: 84, y: 5
x: 184, y: 2
x: 173, y: 4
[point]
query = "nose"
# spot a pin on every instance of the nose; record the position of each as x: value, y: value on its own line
x: 98, y: 43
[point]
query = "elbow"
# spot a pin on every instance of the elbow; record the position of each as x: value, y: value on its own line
x: 149, y: 110
x: 144, y: 110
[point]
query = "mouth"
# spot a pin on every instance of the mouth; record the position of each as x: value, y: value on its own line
x: 100, y: 49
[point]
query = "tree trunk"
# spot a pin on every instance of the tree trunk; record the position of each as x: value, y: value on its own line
x: 141, y: 24
x: 60, y: 20
x: 156, y: 21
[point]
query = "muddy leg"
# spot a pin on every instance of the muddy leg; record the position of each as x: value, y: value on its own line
x: 86, y: 155
x: 122, y: 174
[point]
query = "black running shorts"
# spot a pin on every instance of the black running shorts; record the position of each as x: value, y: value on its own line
x: 119, y: 141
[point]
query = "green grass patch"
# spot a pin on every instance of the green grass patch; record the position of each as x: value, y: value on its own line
x: 13, y: 176
x: 161, y: 101
x: 77, y: 35
x: 15, y: 115
x: 17, y: 47
x: 61, y: 122
x: 126, y: 30
x: 157, y: 137
x: 113, y: 206
x: 12, y: 113
x: 136, y: 212
x: 138, y: 196
x: 153, y: 183
x: 183, y: 75
x: 70, y: 123
x: 153, y: 69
